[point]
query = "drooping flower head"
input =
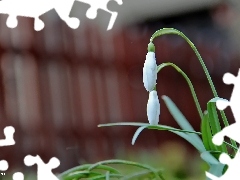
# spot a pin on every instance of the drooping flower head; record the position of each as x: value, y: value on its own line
x: 153, y: 108
x: 150, y: 69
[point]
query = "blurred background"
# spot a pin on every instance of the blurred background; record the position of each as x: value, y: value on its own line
x: 58, y: 84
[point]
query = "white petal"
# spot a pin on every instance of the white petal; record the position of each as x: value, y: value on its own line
x: 150, y: 71
x: 153, y: 108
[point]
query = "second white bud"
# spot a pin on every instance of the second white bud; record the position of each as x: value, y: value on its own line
x: 153, y: 108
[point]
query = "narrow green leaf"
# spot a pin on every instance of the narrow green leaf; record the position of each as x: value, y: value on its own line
x: 214, y: 121
x: 213, y: 116
x: 177, y: 115
x: 209, y: 158
x: 82, y: 171
x: 180, y: 118
x: 123, y: 162
x: 148, y: 126
x: 136, y: 134
x: 140, y: 175
x: 216, y: 170
x: 104, y: 177
x: 198, y: 145
x: 80, y: 174
x: 207, y: 134
x: 107, y: 175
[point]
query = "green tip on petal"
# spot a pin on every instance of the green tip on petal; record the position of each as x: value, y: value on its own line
x: 151, y: 47
x: 155, y: 87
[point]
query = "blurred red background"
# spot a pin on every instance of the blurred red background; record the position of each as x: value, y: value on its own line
x: 58, y: 84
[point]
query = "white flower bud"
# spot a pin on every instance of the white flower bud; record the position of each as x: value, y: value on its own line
x: 153, y: 108
x: 150, y: 71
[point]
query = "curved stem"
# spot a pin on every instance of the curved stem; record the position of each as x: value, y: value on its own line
x: 179, y: 33
x: 194, y: 95
x: 174, y: 31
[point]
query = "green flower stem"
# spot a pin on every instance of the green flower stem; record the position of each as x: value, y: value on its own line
x: 174, y: 31
x: 233, y: 147
x: 194, y: 95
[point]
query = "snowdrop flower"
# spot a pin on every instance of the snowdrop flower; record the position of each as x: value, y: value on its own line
x: 153, y: 108
x: 150, y: 69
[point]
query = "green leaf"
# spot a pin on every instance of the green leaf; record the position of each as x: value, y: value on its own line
x: 199, y: 146
x: 130, y: 163
x: 207, y: 134
x: 215, y: 167
x: 213, y: 116
x: 148, y: 126
x: 187, y: 135
x: 209, y: 158
x: 82, y: 171
x: 214, y: 121
x: 177, y: 115
x: 181, y: 120
x: 216, y: 170
x: 136, y: 134
x: 145, y: 174
x: 107, y: 175
x: 80, y: 174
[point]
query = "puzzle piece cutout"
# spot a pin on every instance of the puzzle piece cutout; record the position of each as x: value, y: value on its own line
x: 8, y: 141
x: 234, y: 102
x: 114, y: 5
x: 95, y: 5
x: 231, y: 131
x: 3, y: 165
x: 44, y: 170
x: 8, y: 133
x: 36, y: 8
x: 18, y: 176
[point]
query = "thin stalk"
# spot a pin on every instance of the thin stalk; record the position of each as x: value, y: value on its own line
x: 194, y: 95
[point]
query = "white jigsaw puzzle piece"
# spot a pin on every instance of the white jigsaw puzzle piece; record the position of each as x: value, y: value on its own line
x: 9, y: 140
x: 96, y: 4
x: 234, y: 102
x: 3, y: 165
x: 18, y: 176
x: 231, y: 131
x: 36, y: 8
x: 44, y: 170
